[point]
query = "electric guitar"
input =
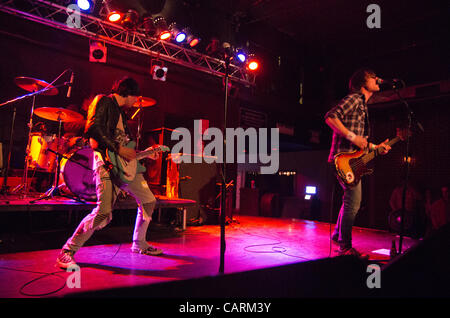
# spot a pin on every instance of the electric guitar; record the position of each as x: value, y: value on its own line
x: 352, y: 166
x: 126, y: 170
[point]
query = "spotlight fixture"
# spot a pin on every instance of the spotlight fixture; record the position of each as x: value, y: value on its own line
x: 130, y: 19
x: 178, y: 35
x: 114, y: 16
x: 111, y: 15
x: 148, y: 26
x: 159, y: 73
x: 252, y: 63
x: 240, y: 55
x: 97, y: 52
x: 191, y: 39
x: 158, y: 70
x: 85, y: 5
x: 162, y: 30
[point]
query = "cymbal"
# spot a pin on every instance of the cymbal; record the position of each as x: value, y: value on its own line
x: 33, y: 84
x: 144, y: 102
x: 55, y: 114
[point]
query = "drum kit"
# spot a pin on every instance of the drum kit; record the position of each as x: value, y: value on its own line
x: 71, y: 165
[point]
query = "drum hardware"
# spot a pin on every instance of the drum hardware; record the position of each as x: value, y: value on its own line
x: 61, y: 115
x: 141, y: 103
x: 36, y: 87
x: 69, y: 158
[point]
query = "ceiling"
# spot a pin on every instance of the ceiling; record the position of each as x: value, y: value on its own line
x: 290, y: 27
x: 320, y: 42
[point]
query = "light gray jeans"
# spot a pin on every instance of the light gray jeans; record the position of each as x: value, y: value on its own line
x: 101, y: 215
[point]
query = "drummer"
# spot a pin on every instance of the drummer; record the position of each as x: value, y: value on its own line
x: 73, y: 130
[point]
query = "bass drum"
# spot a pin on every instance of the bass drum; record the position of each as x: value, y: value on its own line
x: 77, y: 174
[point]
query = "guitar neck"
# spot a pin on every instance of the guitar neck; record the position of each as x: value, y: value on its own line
x: 143, y: 154
x: 368, y: 157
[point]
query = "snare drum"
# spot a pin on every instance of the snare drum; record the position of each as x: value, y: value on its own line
x: 77, y: 174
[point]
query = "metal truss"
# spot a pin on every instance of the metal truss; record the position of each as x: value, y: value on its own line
x: 64, y: 18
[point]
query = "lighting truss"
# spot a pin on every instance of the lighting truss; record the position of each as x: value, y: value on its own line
x: 56, y: 16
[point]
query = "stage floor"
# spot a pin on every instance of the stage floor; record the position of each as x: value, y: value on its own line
x: 252, y: 243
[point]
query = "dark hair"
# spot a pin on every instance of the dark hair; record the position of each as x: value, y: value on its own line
x: 126, y: 87
x: 358, y: 79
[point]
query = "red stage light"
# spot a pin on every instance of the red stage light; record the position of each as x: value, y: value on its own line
x: 253, y: 65
x: 252, y: 62
x: 194, y: 42
x: 114, y: 16
x: 165, y: 35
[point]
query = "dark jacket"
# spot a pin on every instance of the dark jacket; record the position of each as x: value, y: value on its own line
x: 103, y: 116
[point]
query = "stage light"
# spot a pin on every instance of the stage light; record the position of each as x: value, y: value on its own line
x: 84, y: 5
x: 130, y: 19
x: 241, y: 56
x: 114, y: 16
x: 97, y: 52
x: 165, y: 35
x: 148, y: 26
x: 162, y: 31
x: 311, y: 190
x: 178, y: 35
x: 191, y: 39
x: 159, y: 72
x: 252, y: 63
x: 111, y: 15
x: 253, y: 66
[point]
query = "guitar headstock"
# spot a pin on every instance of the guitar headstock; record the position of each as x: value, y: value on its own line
x: 163, y: 148
x: 402, y: 133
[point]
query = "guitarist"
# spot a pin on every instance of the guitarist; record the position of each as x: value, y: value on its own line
x: 106, y: 128
x: 349, y: 120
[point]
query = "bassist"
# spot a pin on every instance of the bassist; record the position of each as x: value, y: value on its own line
x: 349, y: 121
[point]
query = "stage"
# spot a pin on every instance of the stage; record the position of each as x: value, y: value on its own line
x: 254, y: 245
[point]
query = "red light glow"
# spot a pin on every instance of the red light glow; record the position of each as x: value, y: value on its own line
x: 253, y: 66
x: 193, y: 43
x: 165, y: 35
x: 114, y: 17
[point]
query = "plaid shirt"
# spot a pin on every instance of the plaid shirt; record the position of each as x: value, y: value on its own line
x: 353, y: 113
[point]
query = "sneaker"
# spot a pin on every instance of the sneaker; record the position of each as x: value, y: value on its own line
x: 65, y: 259
x: 352, y: 251
x: 152, y: 251
x: 335, y: 239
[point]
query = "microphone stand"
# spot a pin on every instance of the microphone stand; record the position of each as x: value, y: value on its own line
x: 411, y: 116
x: 224, y: 178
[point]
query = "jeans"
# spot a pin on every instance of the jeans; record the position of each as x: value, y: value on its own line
x: 351, y: 202
x: 101, y: 215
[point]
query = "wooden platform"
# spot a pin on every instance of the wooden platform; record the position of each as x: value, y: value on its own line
x: 13, y: 203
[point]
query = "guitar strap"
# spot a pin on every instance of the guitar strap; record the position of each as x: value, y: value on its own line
x: 366, y: 118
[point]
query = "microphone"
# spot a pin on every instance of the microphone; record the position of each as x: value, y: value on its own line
x: 69, y: 90
x: 394, y: 82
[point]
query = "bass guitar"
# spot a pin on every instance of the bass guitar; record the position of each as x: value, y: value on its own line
x: 352, y: 166
x: 126, y: 170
